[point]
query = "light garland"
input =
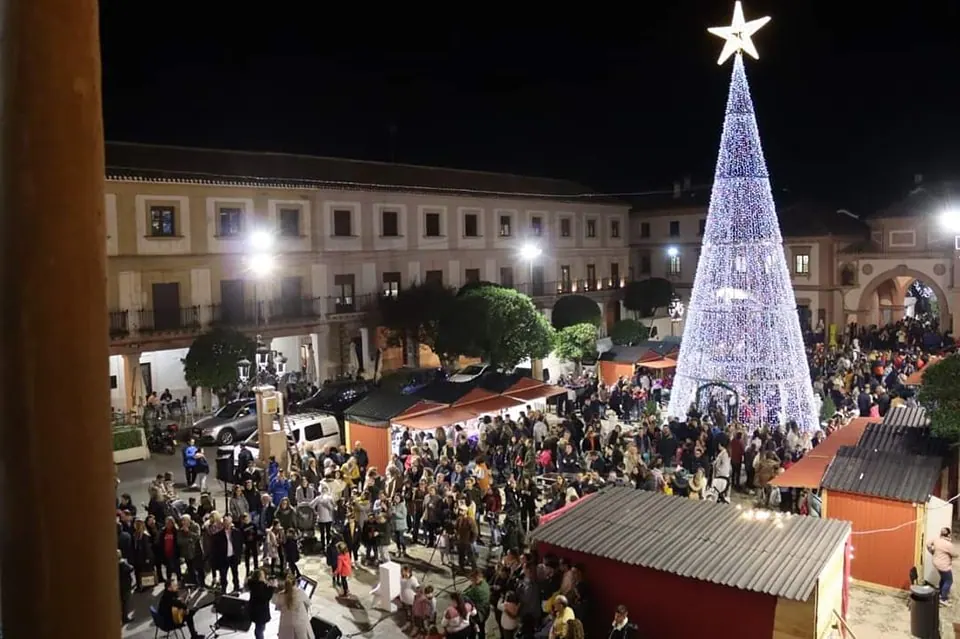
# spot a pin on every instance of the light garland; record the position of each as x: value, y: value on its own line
x: 742, y: 328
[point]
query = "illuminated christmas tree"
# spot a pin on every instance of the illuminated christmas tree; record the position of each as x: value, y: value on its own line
x: 742, y: 329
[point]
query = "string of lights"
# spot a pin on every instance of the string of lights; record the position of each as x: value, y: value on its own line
x: 742, y: 328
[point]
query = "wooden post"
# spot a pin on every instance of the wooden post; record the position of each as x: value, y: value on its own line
x: 59, y: 561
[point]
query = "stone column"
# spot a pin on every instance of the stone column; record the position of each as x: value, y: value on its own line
x: 132, y: 380
x: 53, y: 231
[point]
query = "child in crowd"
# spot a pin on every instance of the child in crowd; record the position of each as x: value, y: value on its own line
x: 344, y: 568
x: 424, y: 611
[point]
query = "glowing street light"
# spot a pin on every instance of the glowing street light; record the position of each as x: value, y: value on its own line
x: 261, y: 264
x: 261, y: 241
x: 530, y: 252
x: 673, y: 251
x: 950, y: 220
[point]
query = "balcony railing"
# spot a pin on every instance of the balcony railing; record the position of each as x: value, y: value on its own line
x: 169, y: 319
x: 119, y: 324
x: 250, y: 314
x: 294, y: 308
x: 238, y: 314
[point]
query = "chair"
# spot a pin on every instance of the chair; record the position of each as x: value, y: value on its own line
x: 163, y: 626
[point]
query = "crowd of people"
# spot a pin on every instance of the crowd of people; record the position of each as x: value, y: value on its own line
x: 473, y: 495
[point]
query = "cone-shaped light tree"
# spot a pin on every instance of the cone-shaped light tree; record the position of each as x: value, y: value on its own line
x: 742, y: 329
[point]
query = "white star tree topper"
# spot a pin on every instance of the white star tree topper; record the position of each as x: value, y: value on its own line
x: 737, y: 35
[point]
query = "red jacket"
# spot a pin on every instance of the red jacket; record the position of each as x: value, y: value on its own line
x: 344, y: 565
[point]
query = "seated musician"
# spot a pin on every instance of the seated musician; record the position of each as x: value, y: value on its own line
x: 174, y: 611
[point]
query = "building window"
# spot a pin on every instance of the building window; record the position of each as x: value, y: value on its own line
x: 614, y: 274
x: 674, y: 228
x: 342, y: 223
x: 565, y: 227
x: 505, y: 226
x: 902, y: 239
x: 471, y: 225
x: 434, y: 277
x: 471, y: 275
x: 163, y: 221
x: 703, y: 227
x: 591, y: 228
x: 673, y: 265
x: 591, y: 277
x: 801, y: 264
x: 290, y: 222
x: 431, y: 225
x: 536, y: 226
x: 230, y: 221
x: 389, y: 224
x: 644, y: 230
x: 344, y: 285
x: 614, y: 228
x: 565, y: 282
x: 506, y: 276
x: 645, y: 263
x: 391, y: 284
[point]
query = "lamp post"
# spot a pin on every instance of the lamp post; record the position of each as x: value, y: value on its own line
x: 530, y: 252
x: 675, y: 310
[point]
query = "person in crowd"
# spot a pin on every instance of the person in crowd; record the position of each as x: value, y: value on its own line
x: 622, y: 628
x: 174, y: 611
x: 943, y: 555
x: 294, y: 607
x: 344, y: 569
x: 190, y: 452
x: 227, y: 548
x: 126, y: 572
x: 258, y: 606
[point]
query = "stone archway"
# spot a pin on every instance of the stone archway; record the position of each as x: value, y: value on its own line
x: 865, y: 303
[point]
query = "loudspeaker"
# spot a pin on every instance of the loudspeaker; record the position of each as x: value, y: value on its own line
x: 233, y: 612
x: 323, y: 629
x: 225, y: 471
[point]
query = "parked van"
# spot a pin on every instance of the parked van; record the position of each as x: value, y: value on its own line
x: 311, y: 432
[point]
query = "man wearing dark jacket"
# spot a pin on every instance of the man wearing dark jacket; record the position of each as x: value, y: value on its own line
x: 622, y: 628
x: 226, y: 549
x: 363, y: 460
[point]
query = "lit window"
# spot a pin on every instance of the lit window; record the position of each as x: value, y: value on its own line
x: 801, y: 264
x: 673, y: 265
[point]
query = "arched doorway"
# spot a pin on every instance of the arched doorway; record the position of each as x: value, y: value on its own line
x: 903, y: 292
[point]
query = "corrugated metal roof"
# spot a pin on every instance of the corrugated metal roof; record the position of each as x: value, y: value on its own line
x: 379, y: 407
x: 808, y: 472
x: 904, y: 416
x: 445, y: 392
x: 710, y: 542
x: 894, y: 476
x: 906, y: 440
x: 644, y: 350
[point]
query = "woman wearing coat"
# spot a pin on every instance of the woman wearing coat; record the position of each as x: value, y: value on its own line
x: 399, y: 514
x: 259, y: 605
x: 142, y: 546
x: 294, y: 607
x: 326, y: 509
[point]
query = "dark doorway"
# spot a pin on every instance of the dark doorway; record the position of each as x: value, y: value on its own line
x: 147, y: 376
x: 291, y: 296
x: 536, y: 275
x: 166, y: 306
x: 231, y: 302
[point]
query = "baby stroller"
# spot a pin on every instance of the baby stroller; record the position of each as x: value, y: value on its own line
x: 306, y: 524
x: 717, y: 490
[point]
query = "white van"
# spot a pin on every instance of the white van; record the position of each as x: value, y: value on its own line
x: 311, y: 432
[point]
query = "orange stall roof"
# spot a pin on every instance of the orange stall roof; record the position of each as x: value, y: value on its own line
x: 809, y: 471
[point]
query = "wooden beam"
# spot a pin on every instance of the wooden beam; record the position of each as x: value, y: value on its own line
x: 59, y: 545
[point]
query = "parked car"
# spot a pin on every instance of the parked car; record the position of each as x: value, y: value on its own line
x: 311, y: 432
x: 469, y: 373
x: 409, y: 380
x: 335, y: 397
x: 232, y: 422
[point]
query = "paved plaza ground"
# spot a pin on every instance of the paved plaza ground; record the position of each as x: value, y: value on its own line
x: 872, y: 614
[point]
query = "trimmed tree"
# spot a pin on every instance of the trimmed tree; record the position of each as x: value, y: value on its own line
x: 212, y: 360
x: 646, y: 296
x: 940, y: 395
x: 574, y: 343
x: 499, y: 325
x: 628, y: 332
x: 571, y: 310
x: 414, y: 316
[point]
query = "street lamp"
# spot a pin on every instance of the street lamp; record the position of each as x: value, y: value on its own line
x: 673, y: 251
x: 531, y: 252
x: 243, y: 371
x: 675, y: 310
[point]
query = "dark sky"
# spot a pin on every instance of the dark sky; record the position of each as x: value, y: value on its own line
x: 626, y: 98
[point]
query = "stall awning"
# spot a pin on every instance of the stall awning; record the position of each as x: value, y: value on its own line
x: 666, y: 362
x: 436, y: 419
x: 539, y: 392
x: 475, y: 395
x: 809, y: 471
x: 494, y: 404
x: 522, y: 384
x: 563, y: 509
x: 916, y: 378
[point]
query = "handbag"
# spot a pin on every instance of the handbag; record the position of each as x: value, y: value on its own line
x: 148, y: 579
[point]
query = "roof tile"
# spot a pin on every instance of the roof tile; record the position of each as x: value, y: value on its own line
x: 887, y: 475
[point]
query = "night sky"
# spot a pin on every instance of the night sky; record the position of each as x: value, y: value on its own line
x: 850, y: 105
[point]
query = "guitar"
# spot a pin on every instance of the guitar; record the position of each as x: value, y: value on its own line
x: 180, y: 614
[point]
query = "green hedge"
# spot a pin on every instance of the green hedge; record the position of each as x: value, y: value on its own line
x: 125, y: 438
